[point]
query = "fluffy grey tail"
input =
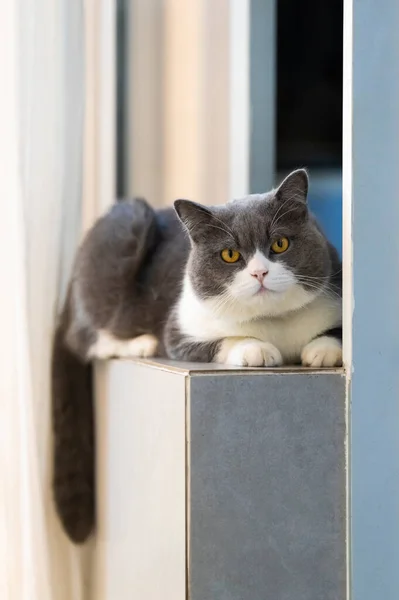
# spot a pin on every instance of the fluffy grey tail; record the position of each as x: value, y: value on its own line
x: 73, y: 428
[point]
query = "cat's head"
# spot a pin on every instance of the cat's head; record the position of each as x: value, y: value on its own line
x: 261, y: 255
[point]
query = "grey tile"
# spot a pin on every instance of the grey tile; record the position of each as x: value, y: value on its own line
x: 267, y: 487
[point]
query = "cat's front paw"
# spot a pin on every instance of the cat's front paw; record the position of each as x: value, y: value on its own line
x: 253, y: 353
x: 322, y: 352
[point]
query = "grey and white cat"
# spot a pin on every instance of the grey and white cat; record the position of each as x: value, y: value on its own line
x: 254, y: 283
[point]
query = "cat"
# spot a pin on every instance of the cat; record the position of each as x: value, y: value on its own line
x: 253, y: 283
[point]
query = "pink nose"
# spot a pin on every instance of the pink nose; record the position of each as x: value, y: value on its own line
x: 260, y: 274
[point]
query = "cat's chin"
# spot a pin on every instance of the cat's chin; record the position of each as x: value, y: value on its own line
x: 255, y: 294
x: 259, y: 295
x: 267, y: 302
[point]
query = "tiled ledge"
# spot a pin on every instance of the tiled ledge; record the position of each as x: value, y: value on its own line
x: 217, y: 483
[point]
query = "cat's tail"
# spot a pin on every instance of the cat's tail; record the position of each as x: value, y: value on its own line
x: 73, y: 430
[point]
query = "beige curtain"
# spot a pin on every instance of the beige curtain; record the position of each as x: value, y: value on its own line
x: 52, y: 97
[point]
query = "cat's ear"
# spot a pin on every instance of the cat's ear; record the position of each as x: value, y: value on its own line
x: 294, y: 187
x: 194, y: 217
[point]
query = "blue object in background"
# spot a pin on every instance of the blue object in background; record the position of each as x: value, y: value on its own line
x: 325, y: 201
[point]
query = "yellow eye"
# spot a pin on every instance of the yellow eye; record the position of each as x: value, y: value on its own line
x: 230, y: 256
x: 280, y: 245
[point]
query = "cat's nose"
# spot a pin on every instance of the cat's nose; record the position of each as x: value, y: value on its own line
x: 259, y: 274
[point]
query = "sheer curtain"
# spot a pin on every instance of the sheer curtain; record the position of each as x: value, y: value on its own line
x: 54, y: 88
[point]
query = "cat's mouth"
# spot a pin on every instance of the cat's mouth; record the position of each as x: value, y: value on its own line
x: 263, y: 290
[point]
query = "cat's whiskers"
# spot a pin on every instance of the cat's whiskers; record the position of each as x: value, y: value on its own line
x: 280, y: 208
x: 316, y: 278
x: 321, y: 277
x: 224, y: 230
x: 282, y: 216
x: 243, y: 286
x: 223, y: 302
x: 311, y: 283
x: 223, y: 223
x: 321, y: 289
x: 192, y: 227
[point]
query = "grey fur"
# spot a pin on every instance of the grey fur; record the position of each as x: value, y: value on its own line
x: 127, y: 279
x: 127, y: 274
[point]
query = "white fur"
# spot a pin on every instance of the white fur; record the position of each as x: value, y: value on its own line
x: 322, y: 352
x: 280, y: 294
x: 108, y: 346
x: 246, y: 352
x: 288, y: 317
x: 258, y: 262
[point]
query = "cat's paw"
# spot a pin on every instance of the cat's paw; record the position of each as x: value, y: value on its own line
x: 253, y: 353
x: 107, y: 346
x: 143, y: 346
x: 324, y: 351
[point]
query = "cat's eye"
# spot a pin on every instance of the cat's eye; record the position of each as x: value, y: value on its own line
x: 280, y: 245
x: 230, y: 256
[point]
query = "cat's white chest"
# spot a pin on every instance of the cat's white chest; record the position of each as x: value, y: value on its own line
x: 289, y: 333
